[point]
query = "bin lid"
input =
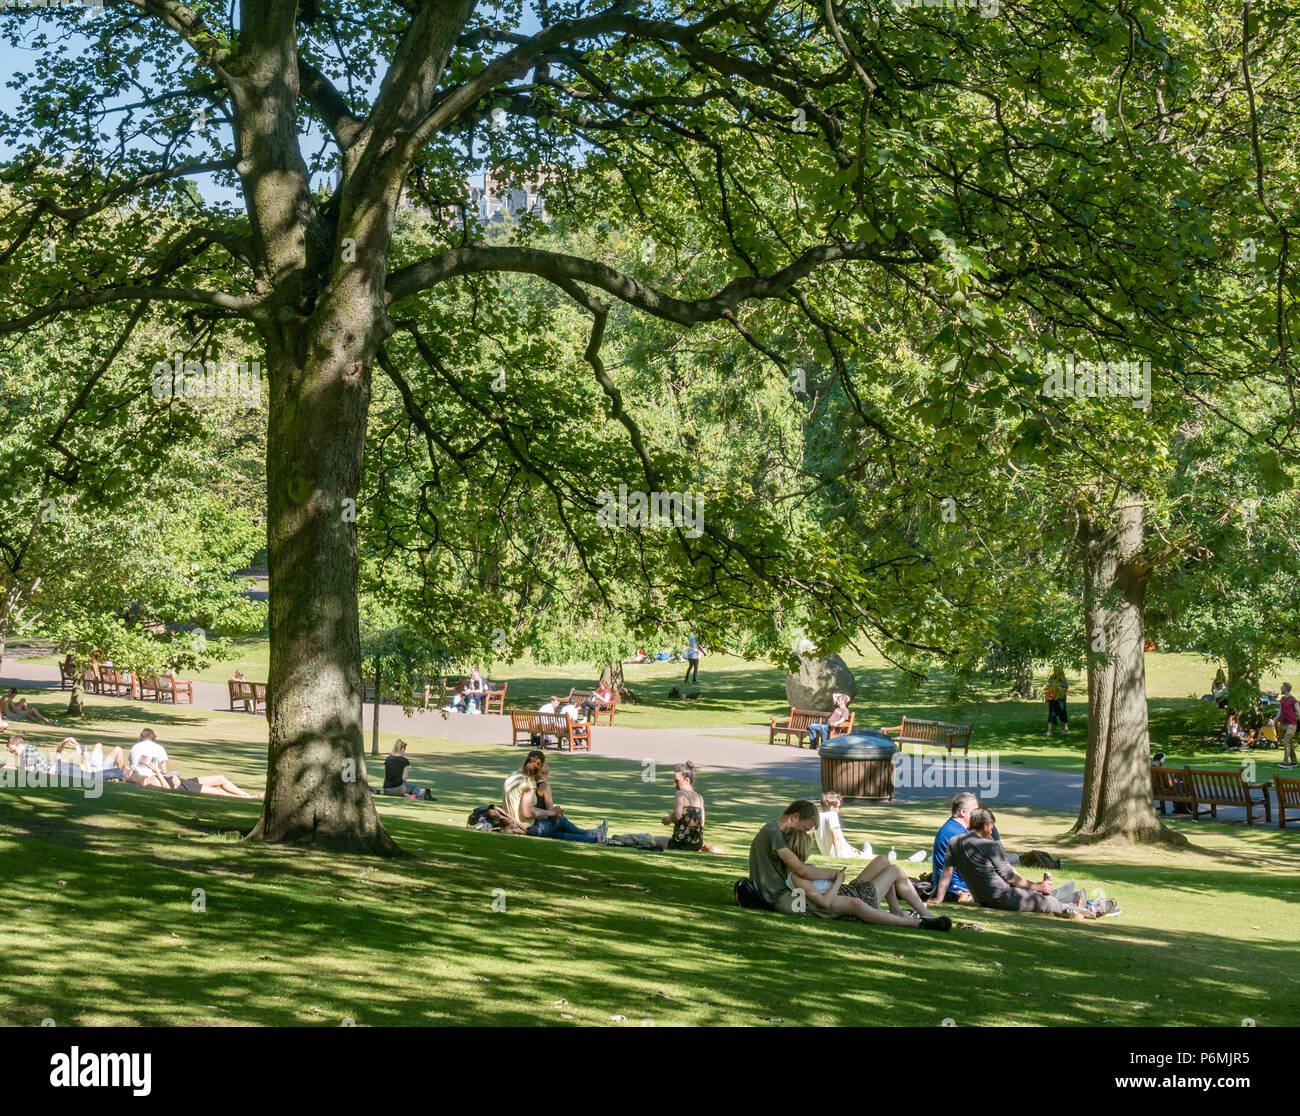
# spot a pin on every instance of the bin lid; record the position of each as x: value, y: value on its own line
x: 869, y: 744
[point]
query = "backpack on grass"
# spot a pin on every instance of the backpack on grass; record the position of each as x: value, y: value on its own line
x: 749, y: 897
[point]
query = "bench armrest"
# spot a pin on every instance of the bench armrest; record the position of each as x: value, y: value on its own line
x: 896, y: 728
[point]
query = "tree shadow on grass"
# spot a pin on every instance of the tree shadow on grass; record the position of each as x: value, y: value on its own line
x: 291, y: 937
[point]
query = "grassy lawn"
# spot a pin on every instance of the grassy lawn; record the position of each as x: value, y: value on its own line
x: 101, y: 928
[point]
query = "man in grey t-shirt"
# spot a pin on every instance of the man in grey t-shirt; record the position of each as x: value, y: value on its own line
x: 980, y: 860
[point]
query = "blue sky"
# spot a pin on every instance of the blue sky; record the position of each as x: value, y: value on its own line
x: 16, y: 59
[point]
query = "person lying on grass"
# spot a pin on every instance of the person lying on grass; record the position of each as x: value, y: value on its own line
x: 217, y: 785
x: 28, y: 758
x: 527, y: 799
x: 978, y: 856
x: 15, y: 708
x: 111, y: 769
x: 776, y: 870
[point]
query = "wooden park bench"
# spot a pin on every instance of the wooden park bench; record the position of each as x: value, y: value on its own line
x: 570, y: 735
x: 933, y: 732
x: 1228, y: 788
x: 1288, y: 797
x: 603, y: 708
x: 241, y: 693
x: 796, y: 725
x: 67, y: 676
x: 1171, y: 785
x: 494, y: 701
x: 91, y: 680
x: 249, y: 694
x: 451, y: 687
x: 169, y: 688
x: 120, y: 683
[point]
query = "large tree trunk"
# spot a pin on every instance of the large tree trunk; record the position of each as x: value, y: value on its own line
x: 1243, y: 688
x: 76, y: 703
x: 1117, y: 799
x: 374, y: 732
x: 316, y: 791
x: 612, y: 676
x: 1024, y: 684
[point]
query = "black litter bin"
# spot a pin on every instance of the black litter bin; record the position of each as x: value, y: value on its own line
x: 859, y: 765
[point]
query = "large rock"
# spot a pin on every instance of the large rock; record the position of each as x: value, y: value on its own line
x: 817, y: 680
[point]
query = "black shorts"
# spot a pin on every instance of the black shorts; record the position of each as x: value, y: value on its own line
x: 192, y: 785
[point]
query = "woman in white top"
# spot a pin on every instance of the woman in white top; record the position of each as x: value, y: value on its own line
x: 830, y: 837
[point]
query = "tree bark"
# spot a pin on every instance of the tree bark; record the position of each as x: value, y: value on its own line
x: 1117, y: 799
x: 76, y: 703
x: 1024, y: 684
x: 1243, y: 690
x: 374, y: 733
x: 612, y: 676
x: 316, y: 790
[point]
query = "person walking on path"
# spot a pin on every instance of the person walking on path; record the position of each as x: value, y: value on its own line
x: 1055, y: 693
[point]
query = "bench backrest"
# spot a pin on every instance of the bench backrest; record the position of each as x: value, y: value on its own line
x: 554, y: 723
x: 1221, y: 786
x: 800, y: 719
x: 258, y: 690
x: 1288, y: 790
x: 929, y: 732
x: 1171, y: 783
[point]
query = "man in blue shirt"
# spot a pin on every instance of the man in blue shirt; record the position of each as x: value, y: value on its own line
x: 963, y: 805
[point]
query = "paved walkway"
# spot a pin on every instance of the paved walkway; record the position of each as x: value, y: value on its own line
x: 933, y: 778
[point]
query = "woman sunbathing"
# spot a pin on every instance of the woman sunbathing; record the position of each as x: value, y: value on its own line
x: 217, y: 785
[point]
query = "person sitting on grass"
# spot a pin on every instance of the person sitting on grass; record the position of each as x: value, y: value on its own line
x: 147, y: 753
x: 964, y: 803
x: 15, y: 708
x: 217, y: 785
x: 979, y: 858
x: 773, y: 866
x: 1234, y: 737
x: 820, y: 732
x: 687, y: 818
x: 830, y: 837
x: 1268, y: 734
x: 396, y: 767
x: 527, y: 799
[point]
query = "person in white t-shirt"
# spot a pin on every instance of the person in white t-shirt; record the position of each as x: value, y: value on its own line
x: 147, y: 754
x: 830, y: 837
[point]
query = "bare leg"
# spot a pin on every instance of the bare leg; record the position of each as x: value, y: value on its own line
x: 220, y: 785
x: 887, y: 878
x: 844, y: 904
x: 116, y: 758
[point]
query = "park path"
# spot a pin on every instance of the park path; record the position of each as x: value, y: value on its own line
x: 744, y: 750
x: 750, y: 754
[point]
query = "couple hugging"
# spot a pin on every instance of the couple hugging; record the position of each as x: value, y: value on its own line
x: 780, y: 872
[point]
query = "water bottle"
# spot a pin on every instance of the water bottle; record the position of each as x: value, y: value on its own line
x: 893, y: 855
